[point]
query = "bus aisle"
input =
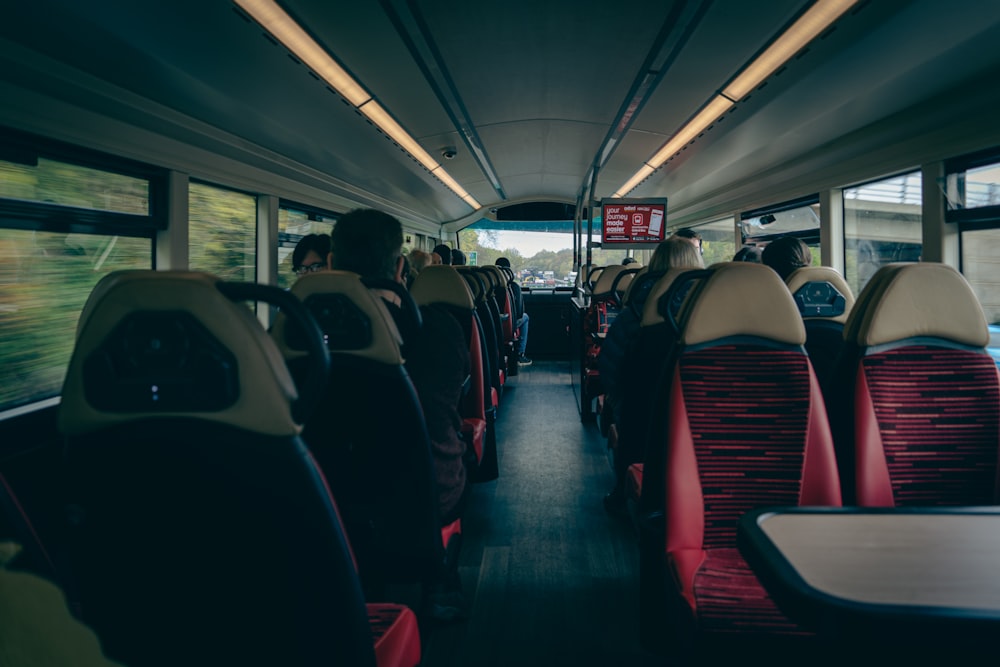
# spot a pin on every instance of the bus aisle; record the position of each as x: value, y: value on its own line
x: 549, y: 577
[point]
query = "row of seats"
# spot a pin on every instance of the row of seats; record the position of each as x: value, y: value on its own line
x: 605, y: 289
x: 236, y: 495
x: 730, y: 415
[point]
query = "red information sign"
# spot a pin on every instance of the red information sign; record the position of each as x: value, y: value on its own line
x: 633, y: 221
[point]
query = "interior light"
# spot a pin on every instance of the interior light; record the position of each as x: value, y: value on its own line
x: 811, y: 24
x: 378, y: 115
x: 703, y: 119
x: 643, y: 172
x: 281, y: 26
x: 808, y: 27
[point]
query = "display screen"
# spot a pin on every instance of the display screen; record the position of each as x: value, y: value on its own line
x: 633, y: 221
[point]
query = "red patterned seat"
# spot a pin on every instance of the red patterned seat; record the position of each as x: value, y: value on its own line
x: 744, y: 427
x: 921, y: 395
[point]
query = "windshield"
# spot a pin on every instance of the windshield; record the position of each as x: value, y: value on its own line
x: 539, y: 259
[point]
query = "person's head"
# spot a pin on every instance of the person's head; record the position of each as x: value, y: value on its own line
x: 368, y: 242
x: 691, y: 236
x: 628, y: 260
x: 502, y: 261
x: 310, y: 253
x: 748, y: 253
x: 786, y: 254
x: 436, y: 258
x: 444, y: 252
x: 419, y: 259
x: 457, y: 257
x: 676, y: 253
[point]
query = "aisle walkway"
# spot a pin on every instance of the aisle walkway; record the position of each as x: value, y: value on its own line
x: 551, y: 579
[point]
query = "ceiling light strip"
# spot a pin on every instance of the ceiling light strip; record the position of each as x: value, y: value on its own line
x: 281, y: 26
x: 810, y: 25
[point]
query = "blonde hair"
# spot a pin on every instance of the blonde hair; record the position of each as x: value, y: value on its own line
x: 676, y: 253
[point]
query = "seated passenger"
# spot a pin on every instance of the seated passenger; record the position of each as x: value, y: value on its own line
x: 748, y: 253
x: 310, y: 253
x: 444, y: 252
x: 457, y: 257
x: 418, y: 260
x: 786, y: 254
x: 522, y: 324
x: 369, y: 242
x: 675, y: 252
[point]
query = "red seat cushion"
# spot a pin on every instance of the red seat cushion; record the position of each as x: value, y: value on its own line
x: 396, y: 635
x: 729, y: 598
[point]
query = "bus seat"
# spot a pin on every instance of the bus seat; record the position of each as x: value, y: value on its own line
x: 745, y: 427
x: 443, y: 285
x: 921, y: 394
x: 824, y: 300
x: 202, y: 532
x: 643, y: 363
x: 368, y: 435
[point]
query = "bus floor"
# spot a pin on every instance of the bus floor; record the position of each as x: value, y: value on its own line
x: 548, y: 576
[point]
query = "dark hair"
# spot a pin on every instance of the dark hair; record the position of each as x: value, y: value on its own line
x: 786, y: 254
x: 457, y: 257
x: 368, y: 242
x: 502, y: 261
x: 687, y: 233
x: 444, y: 252
x: 748, y: 253
x: 317, y: 243
x: 628, y: 260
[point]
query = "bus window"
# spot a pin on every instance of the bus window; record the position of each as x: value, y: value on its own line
x: 882, y: 224
x: 223, y: 232
x: 45, y: 278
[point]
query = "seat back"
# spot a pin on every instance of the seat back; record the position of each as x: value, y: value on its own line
x: 446, y: 287
x: 368, y: 435
x: 202, y: 531
x: 745, y: 427
x: 824, y: 300
x: 923, y: 395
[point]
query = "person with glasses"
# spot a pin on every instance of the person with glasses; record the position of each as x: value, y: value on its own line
x: 310, y: 254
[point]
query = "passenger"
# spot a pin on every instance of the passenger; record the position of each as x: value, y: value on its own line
x: 310, y: 253
x: 457, y: 257
x: 786, y: 254
x: 418, y: 260
x: 673, y: 253
x: 748, y: 253
x: 522, y: 324
x: 370, y: 242
x: 628, y: 260
x: 444, y: 252
x: 691, y: 237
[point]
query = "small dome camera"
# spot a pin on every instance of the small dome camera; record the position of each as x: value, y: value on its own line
x: 448, y: 152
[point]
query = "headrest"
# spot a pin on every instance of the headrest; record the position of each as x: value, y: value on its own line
x: 922, y: 299
x: 635, y: 280
x: 650, y: 312
x: 158, y: 344
x: 353, y: 319
x: 493, y: 274
x: 742, y: 299
x: 441, y: 284
x: 607, y: 279
x: 820, y: 293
